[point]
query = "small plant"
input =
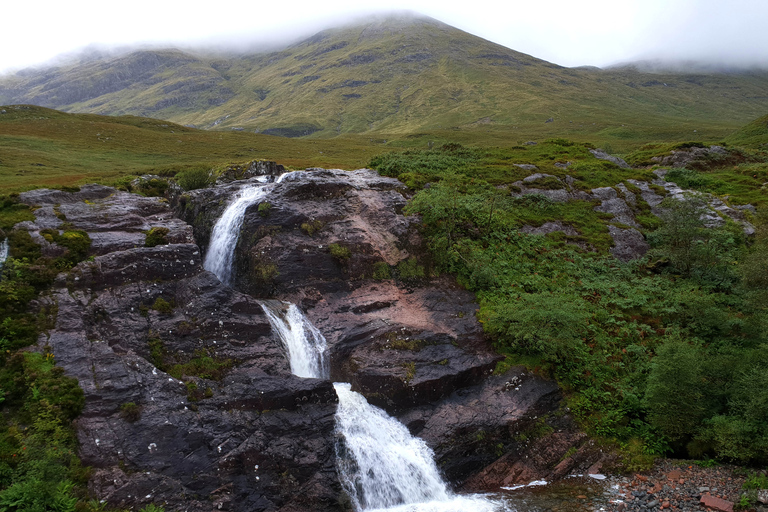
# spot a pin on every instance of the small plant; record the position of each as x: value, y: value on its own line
x: 381, y: 270
x: 194, y: 178
x: 130, y: 412
x: 410, y: 371
x: 264, y: 208
x: 311, y: 227
x: 339, y: 252
x: 156, y: 236
x: 163, y: 306
x: 410, y: 270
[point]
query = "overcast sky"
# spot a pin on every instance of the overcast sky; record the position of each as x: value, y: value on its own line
x: 566, y: 32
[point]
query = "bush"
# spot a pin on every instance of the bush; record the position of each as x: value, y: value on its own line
x: 339, y: 252
x: 130, y: 412
x: 163, y: 306
x: 194, y: 178
x: 381, y: 270
x: 264, y: 208
x: 410, y: 270
x: 156, y: 236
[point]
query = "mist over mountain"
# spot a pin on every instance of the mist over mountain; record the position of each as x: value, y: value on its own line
x: 396, y: 74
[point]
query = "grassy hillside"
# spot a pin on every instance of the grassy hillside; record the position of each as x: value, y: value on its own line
x: 44, y: 147
x: 398, y: 76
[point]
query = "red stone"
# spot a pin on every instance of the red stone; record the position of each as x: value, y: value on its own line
x: 716, y: 503
x: 675, y: 474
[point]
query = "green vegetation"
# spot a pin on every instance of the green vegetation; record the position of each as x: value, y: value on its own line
x: 339, y: 252
x: 163, y: 306
x: 195, y: 178
x: 130, y: 411
x: 43, y: 147
x: 311, y: 227
x: 156, y: 236
x: 264, y: 208
x: 381, y: 270
x: 643, y: 350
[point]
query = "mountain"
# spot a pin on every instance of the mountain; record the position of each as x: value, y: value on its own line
x: 398, y: 74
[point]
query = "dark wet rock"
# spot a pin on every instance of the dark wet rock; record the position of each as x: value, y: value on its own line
x: 602, y: 155
x: 467, y: 433
x: 254, y: 437
x: 253, y: 169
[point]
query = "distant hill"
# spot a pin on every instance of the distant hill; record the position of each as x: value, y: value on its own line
x: 755, y: 134
x: 397, y: 75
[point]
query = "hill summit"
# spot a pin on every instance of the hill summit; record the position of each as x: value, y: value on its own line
x: 394, y: 74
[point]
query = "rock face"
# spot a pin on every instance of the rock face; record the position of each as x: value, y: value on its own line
x: 252, y: 437
x: 411, y: 346
x: 189, y: 397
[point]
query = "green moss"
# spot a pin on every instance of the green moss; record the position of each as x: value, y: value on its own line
x: 410, y: 270
x: 156, y: 236
x: 311, y: 227
x: 410, y: 371
x: 163, y: 306
x: 381, y: 270
x: 339, y: 252
x: 264, y: 208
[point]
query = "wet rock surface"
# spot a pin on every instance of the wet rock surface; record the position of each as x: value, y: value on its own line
x: 189, y: 397
x: 412, y: 347
x: 251, y: 437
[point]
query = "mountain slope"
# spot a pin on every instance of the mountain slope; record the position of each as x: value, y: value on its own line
x: 397, y: 75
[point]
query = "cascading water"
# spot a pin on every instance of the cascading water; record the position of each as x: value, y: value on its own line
x: 3, y: 252
x: 304, y: 343
x: 221, y: 250
x: 381, y: 466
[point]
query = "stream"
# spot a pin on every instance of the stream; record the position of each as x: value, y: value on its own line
x: 381, y: 466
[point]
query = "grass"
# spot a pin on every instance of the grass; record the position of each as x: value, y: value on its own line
x: 44, y: 147
x: 409, y: 80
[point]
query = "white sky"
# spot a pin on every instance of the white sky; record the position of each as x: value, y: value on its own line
x: 567, y: 32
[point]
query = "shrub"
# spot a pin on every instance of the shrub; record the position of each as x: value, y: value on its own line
x: 339, y: 252
x: 381, y: 270
x: 264, y: 208
x: 156, y: 236
x: 193, y: 179
x: 410, y: 270
x: 130, y: 412
x: 163, y: 306
x: 311, y: 227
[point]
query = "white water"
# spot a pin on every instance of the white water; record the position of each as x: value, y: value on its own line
x: 381, y: 466
x: 221, y: 249
x: 303, y: 342
x: 3, y: 252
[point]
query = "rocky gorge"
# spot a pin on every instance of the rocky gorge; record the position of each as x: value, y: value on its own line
x: 190, y: 399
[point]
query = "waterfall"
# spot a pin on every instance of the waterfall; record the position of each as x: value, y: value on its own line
x: 381, y: 466
x: 3, y: 252
x: 304, y: 343
x: 221, y: 249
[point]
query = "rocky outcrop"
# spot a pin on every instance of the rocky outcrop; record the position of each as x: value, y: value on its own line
x: 189, y: 397
x: 689, y: 157
x: 190, y: 401
x: 411, y: 345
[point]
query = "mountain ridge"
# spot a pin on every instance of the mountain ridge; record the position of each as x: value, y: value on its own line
x: 396, y: 75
